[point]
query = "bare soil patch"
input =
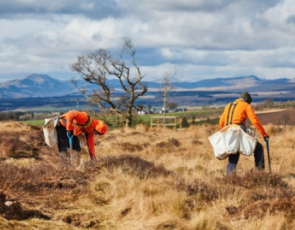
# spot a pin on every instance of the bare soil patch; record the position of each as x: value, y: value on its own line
x: 279, y: 117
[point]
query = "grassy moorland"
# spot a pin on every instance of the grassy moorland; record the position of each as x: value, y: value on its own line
x: 145, y: 178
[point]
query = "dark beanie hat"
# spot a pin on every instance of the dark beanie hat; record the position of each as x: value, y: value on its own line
x: 247, y: 97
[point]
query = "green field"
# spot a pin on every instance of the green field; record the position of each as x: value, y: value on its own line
x: 197, y: 114
x: 200, y: 114
x: 34, y: 122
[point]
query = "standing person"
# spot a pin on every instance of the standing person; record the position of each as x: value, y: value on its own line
x: 236, y: 113
x: 75, y: 123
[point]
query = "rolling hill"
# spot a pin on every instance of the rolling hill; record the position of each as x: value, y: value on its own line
x: 40, y: 85
x: 37, y: 90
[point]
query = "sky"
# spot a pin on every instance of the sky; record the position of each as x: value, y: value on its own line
x: 195, y: 39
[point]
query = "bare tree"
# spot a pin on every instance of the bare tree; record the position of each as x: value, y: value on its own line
x: 167, y: 86
x: 99, y: 66
x: 172, y: 105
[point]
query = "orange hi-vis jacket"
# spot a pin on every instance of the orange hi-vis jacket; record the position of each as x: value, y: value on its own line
x: 82, y: 123
x: 237, y: 112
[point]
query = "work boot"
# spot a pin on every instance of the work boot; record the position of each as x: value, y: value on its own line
x: 230, y: 169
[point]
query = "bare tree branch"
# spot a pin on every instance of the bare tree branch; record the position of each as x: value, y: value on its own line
x: 167, y: 86
x: 99, y: 66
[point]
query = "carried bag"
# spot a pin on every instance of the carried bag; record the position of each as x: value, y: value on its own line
x: 248, y: 142
x: 49, y: 130
x: 231, y: 140
x: 225, y: 141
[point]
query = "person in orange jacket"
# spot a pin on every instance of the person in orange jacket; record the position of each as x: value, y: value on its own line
x: 75, y: 123
x: 236, y: 113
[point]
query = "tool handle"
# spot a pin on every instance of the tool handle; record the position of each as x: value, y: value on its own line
x: 268, y: 156
x: 71, y: 147
x: 70, y: 138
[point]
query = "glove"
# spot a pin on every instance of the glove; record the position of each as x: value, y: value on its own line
x: 70, y: 133
x: 266, y: 139
x: 96, y: 132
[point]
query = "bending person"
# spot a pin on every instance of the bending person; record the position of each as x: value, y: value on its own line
x: 75, y: 123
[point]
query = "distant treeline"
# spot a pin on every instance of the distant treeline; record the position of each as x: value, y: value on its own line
x: 11, y: 116
x: 26, y: 116
x: 269, y: 103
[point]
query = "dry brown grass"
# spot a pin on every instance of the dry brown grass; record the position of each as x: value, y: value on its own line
x: 144, y: 179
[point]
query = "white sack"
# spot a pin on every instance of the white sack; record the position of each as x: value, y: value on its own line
x: 50, y: 131
x: 247, y: 143
x: 230, y: 140
x: 225, y: 141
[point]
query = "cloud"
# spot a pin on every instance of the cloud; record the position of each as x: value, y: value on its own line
x: 32, y: 8
x: 202, y: 39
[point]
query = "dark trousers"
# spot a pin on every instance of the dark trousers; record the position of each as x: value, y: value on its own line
x: 258, y: 156
x: 63, y: 140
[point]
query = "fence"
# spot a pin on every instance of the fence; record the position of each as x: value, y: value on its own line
x: 173, y: 121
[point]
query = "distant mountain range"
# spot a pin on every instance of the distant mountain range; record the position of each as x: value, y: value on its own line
x: 38, y: 85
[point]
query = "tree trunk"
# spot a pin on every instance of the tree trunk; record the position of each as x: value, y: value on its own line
x: 128, y: 120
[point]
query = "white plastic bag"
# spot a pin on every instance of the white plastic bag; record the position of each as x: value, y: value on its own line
x: 226, y: 141
x: 50, y: 131
x: 247, y: 143
x: 230, y: 140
